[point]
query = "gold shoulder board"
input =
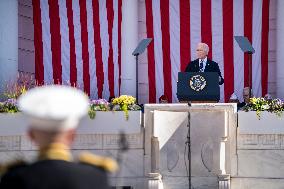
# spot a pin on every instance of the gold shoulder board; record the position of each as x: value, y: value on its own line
x: 6, y: 167
x: 104, y: 162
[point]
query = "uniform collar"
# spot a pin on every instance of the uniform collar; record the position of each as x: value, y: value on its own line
x: 55, y: 151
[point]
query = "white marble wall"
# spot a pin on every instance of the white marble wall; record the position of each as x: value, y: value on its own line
x: 209, y: 126
x: 256, y: 183
x: 260, y: 161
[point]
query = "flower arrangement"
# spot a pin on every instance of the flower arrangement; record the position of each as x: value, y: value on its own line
x: 9, y: 106
x: 125, y: 103
x: 14, y: 89
x: 264, y: 104
x: 122, y: 103
x: 98, y: 105
x: 24, y: 82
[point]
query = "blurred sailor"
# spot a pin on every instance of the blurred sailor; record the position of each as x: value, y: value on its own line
x: 54, y: 113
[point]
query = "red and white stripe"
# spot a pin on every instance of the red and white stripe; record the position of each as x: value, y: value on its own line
x: 238, y: 21
x: 79, y: 43
x: 177, y: 27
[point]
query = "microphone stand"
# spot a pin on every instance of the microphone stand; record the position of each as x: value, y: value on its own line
x: 123, y: 147
x: 250, y: 73
x: 136, y: 57
x: 189, y: 147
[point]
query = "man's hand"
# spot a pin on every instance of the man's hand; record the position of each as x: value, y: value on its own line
x: 221, y: 81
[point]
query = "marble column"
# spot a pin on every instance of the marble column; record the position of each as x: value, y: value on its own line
x: 279, y: 49
x: 8, y: 42
x: 129, y: 41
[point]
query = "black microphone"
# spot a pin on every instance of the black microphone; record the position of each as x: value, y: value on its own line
x: 123, y: 144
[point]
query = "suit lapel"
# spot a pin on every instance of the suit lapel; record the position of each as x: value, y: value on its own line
x: 207, y: 66
x: 197, y: 65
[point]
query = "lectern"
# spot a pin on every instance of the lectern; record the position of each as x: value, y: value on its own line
x: 198, y: 86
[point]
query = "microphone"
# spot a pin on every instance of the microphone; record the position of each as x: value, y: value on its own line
x: 123, y: 144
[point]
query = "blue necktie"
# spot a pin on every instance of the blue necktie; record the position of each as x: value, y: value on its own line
x: 201, y: 66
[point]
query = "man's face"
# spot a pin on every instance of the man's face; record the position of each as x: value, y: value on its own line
x: 246, y: 95
x: 200, y: 51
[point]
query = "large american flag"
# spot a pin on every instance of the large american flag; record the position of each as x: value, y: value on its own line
x: 79, y: 42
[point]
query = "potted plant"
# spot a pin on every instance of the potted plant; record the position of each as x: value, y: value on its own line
x: 98, y: 105
x: 262, y: 116
x: 259, y: 105
x: 125, y: 103
x: 11, y: 121
x: 120, y: 115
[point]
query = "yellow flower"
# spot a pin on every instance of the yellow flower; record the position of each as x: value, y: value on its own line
x: 124, y: 101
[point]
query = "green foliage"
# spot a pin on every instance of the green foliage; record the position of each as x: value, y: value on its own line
x: 122, y: 103
x: 9, y: 106
x: 263, y: 104
x: 125, y: 103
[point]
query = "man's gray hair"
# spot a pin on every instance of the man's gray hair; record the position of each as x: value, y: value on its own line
x: 206, y: 47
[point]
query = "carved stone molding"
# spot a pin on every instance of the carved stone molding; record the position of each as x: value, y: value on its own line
x: 112, y: 141
x: 10, y: 143
x: 263, y: 141
x: 87, y: 142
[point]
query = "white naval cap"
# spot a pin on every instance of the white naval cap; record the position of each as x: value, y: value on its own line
x: 234, y: 97
x: 54, y: 107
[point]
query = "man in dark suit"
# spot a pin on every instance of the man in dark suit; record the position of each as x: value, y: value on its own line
x: 246, y: 97
x: 203, y: 64
x: 54, y: 113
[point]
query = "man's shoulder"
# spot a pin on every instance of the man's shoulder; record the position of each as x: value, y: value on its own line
x: 104, y: 163
x: 194, y: 61
x: 10, y: 174
x: 68, y: 173
x: 12, y: 167
x: 241, y: 105
x: 68, y: 167
x: 212, y: 62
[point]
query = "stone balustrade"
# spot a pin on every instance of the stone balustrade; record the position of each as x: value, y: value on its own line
x: 221, y: 154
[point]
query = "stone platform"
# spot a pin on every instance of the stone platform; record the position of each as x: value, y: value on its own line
x: 221, y: 155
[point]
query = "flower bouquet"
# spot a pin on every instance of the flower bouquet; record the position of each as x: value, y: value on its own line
x: 98, y: 105
x: 9, y: 106
x: 263, y: 104
x: 125, y: 103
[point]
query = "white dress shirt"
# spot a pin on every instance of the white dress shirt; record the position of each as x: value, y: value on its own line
x: 204, y: 63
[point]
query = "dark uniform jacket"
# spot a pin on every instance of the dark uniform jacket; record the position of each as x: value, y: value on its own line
x: 211, y: 66
x: 54, y: 170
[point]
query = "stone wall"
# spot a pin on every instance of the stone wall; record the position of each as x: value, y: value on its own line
x: 210, y: 125
x: 131, y: 173
x: 14, y: 144
x: 157, y: 156
x: 221, y: 156
x: 260, y: 161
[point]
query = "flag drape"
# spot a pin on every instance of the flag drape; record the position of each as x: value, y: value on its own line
x: 78, y: 42
x: 177, y: 27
